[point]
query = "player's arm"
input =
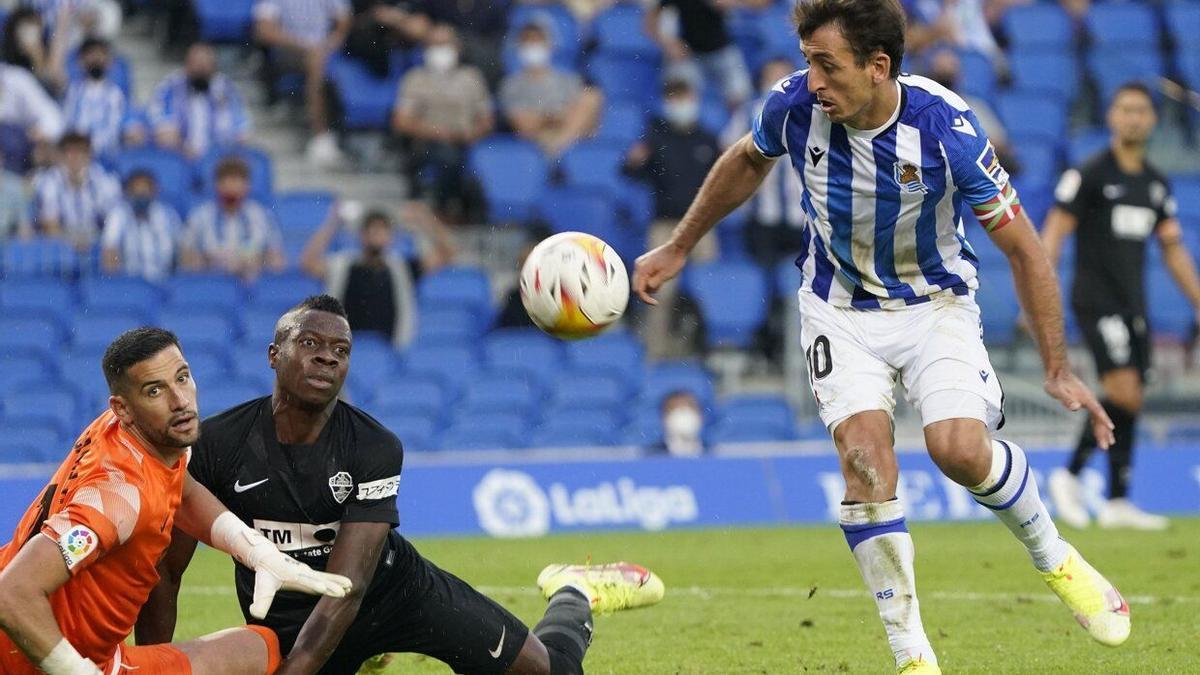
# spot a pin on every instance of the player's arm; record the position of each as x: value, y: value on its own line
x: 1059, y: 225
x: 156, y: 620
x: 355, y: 554
x: 733, y: 179
x: 25, y: 613
x: 1179, y: 262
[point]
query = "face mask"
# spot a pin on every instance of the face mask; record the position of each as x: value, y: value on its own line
x: 141, y: 205
x: 199, y: 83
x: 96, y: 72
x: 29, y: 33
x: 441, y: 58
x: 683, y: 422
x: 536, y: 55
x: 682, y: 113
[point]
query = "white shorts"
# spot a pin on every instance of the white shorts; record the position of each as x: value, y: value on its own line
x: 936, y: 347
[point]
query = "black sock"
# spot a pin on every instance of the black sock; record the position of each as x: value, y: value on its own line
x: 566, y: 630
x: 1120, y: 455
x: 1083, y: 450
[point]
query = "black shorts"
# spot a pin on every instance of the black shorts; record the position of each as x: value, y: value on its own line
x: 429, y: 611
x: 1117, y: 341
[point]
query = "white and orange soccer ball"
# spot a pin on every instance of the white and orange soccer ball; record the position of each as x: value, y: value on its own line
x: 574, y: 285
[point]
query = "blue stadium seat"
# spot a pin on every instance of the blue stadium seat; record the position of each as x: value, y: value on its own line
x: 578, y: 433
x: 101, y: 295
x: 45, y: 403
x: 616, y: 353
x: 303, y: 209
x: 776, y: 34
x: 1033, y: 115
x: 416, y: 432
x: 665, y: 378
x: 714, y: 112
x: 526, y: 349
x: 560, y: 26
x: 470, y: 436
x: 42, y: 442
x: 622, y: 123
x: 733, y: 300
x: 206, y: 292
x: 1053, y: 72
x: 593, y: 164
x: 449, y: 324
x: 462, y: 287
x: 248, y: 362
x: 1169, y: 313
x: 454, y: 366
x: 626, y: 79
x: 590, y: 210
x: 787, y: 280
x: 998, y: 307
x: 1039, y: 163
x: 92, y: 331
x: 512, y: 174
x: 499, y: 392
x: 1085, y: 143
x: 171, y: 169
x: 20, y: 453
x: 1183, y: 23
x: 593, y: 388
x: 30, y: 335
x: 1038, y: 25
x: 645, y: 431
x: 618, y: 30
x: 1118, y: 25
x: 1186, y: 190
x: 218, y: 398
x: 38, y: 258
x: 733, y: 431
x: 224, y: 21
x: 411, y: 395
x: 373, y: 361
x: 262, y: 173
x: 52, y: 296
x: 283, y: 290
x: 16, y: 370
x: 366, y: 100
x: 1110, y: 68
x: 977, y: 75
x: 205, y: 329
x: 258, y: 326
x: 210, y: 368
x: 753, y: 410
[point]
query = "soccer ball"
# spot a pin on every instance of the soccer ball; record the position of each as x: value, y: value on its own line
x: 574, y: 285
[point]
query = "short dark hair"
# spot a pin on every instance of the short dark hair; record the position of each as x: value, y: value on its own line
x: 318, y: 303
x: 675, y: 394
x: 93, y: 42
x: 140, y: 174
x: 1136, y: 86
x: 233, y: 166
x: 534, y: 26
x: 133, y: 347
x: 868, y: 25
x: 376, y: 215
x: 74, y: 139
x: 677, y: 85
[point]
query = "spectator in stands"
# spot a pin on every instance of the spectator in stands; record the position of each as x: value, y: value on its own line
x: 946, y: 69
x: 74, y: 197
x: 548, y: 106
x: 376, y: 285
x: 963, y: 24
x: 14, y: 206
x: 198, y: 108
x: 232, y: 233
x: 482, y: 25
x: 301, y: 35
x: 382, y: 26
x: 442, y: 108
x: 697, y: 44
x: 95, y: 105
x: 29, y: 119
x: 26, y: 46
x: 78, y: 20
x: 673, y: 158
x: 682, y: 425
x: 776, y: 215
x: 140, y: 233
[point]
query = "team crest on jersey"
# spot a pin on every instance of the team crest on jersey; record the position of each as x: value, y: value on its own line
x: 341, y: 485
x: 908, y: 177
x: 990, y: 164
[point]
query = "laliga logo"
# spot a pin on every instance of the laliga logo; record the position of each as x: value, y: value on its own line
x: 512, y: 504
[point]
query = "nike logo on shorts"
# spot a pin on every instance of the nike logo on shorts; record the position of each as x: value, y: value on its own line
x: 239, y: 488
x: 499, y: 647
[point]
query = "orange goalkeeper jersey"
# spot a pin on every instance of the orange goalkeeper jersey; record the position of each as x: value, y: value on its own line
x: 109, y: 507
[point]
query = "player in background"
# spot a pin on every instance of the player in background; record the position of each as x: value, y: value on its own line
x: 82, y: 560
x: 1113, y: 203
x: 320, y: 477
x: 889, y: 162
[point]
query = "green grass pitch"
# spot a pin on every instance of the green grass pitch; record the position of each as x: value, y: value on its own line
x: 790, y: 600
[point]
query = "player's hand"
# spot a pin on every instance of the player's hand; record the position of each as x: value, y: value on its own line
x: 277, y: 571
x: 1074, y: 395
x: 655, y: 268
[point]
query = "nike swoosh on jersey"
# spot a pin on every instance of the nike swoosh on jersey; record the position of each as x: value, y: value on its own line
x: 239, y: 488
x: 499, y: 647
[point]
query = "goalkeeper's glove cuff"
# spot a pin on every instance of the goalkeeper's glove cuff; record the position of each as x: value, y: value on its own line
x: 64, y: 659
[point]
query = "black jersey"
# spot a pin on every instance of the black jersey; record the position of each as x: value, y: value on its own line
x: 298, y: 496
x: 1115, y: 212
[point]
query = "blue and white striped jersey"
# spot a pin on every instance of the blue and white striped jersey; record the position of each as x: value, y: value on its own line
x: 884, y: 206
x: 214, y: 118
x: 145, y: 245
x: 96, y: 108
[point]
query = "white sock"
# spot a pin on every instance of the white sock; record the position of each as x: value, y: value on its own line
x: 884, y: 551
x: 1011, y: 492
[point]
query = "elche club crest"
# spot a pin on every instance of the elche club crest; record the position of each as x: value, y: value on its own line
x: 341, y: 484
